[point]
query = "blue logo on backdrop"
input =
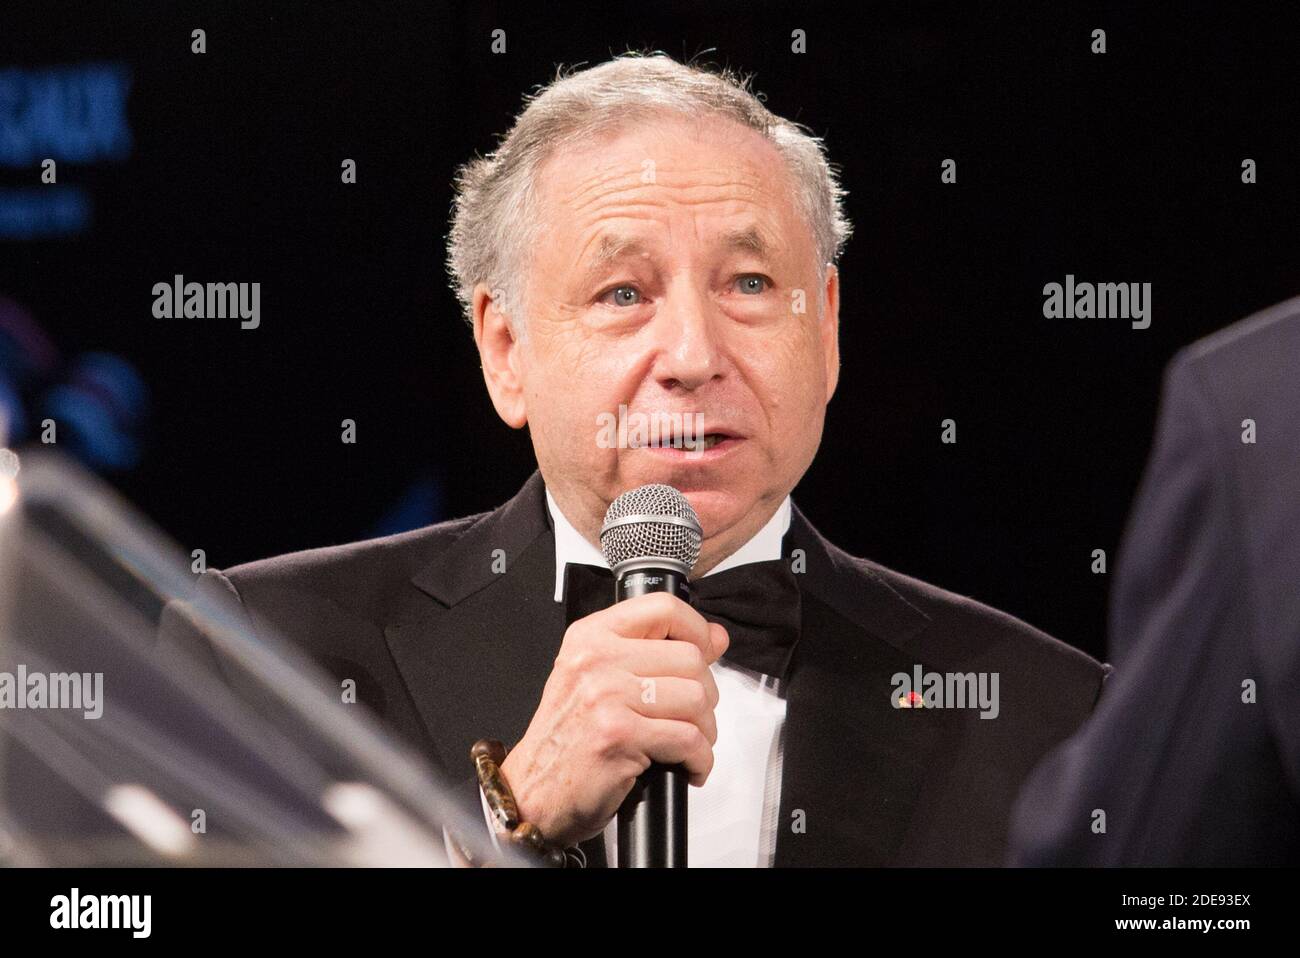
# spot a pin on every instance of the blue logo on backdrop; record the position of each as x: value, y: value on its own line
x: 71, y: 114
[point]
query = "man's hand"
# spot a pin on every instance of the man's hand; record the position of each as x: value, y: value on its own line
x: 618, y: 699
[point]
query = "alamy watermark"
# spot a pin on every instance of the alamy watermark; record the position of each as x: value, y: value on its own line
x: 75, y: 910
x: 946, y: 690
x: 637, y: 430
x: 22, y: 689
x: 1073, y: 300
x: 181, y: 300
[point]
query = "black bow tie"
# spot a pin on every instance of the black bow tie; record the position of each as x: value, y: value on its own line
x: 757, y: 603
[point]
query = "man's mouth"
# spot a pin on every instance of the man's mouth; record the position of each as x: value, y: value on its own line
x: 678, y: 441
x: 693, y: 447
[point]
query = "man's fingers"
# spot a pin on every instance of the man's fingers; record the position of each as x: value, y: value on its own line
x: 675, y: 698
x: 671, y: 742
x: 719, y: 642
x: 649, y: 659
x: 662, y: 615
x: 659, y: 615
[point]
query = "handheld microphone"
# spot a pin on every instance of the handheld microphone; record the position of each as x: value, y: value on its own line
x: 651, y: 539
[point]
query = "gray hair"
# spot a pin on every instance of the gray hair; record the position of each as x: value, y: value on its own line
x: 495, y: 220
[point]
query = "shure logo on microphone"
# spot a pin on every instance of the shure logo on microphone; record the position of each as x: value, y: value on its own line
x: 181, y: 300
x: 73, y: 911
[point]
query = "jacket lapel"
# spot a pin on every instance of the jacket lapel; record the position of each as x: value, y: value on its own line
x: 476, y: 636
x: 855, y: 769
x: 474, y: 643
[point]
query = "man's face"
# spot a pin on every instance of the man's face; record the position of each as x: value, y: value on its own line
x: 674, y: 276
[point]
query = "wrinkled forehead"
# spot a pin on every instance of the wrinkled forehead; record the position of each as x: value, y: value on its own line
x: 651, y: 169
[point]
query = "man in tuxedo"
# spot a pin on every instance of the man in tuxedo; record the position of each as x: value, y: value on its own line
x: 649, y: 240
x: 1193, y: 756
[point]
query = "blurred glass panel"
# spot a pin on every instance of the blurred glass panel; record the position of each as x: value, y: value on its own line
x: 228, y: 747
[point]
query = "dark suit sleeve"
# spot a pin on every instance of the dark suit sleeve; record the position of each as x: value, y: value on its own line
x: 1170, y: 725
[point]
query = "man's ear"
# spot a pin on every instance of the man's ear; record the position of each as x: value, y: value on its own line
x: 499, y: 354
x: 830, y: 329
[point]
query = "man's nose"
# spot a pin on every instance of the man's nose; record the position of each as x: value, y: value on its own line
x: 687, y: 333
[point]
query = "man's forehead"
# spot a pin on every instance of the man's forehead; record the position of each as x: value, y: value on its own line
x: 670, y: 161
x: 610, y: 245
x: 642, y: 191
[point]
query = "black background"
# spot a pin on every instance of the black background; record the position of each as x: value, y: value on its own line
x: 1122, y: 167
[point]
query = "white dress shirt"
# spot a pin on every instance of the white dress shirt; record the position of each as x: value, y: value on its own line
x: 732, y: 818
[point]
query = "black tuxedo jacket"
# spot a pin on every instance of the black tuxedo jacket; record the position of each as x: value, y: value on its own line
x: 1206, y: 599
x: 447, y: 648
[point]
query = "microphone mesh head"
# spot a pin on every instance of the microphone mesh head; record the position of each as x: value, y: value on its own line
x: 651, y: 522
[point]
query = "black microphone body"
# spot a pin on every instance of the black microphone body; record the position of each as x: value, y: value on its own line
x: 651, y: 539
x: 652, y: 819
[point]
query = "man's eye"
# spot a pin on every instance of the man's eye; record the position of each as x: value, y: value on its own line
x: 752, y: 283
x: 621, y: 296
